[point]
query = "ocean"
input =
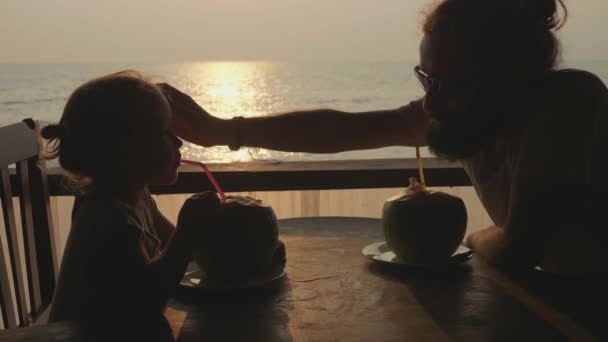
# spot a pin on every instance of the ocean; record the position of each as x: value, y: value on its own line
x: 228, y: 89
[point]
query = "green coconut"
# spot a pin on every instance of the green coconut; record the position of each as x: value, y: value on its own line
x: 240, y: 242
x: 422, y: 226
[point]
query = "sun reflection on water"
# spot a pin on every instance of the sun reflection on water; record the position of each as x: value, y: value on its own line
x: 228, y: 89
x: 231, y: 85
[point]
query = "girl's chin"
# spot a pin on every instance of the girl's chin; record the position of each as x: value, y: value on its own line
x: 171, y: 180
x: 168, y: 179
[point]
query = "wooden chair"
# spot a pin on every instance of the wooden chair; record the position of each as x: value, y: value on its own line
x: 20, y: 145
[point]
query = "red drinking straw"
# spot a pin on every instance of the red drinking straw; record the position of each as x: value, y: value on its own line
x: 209, y: 175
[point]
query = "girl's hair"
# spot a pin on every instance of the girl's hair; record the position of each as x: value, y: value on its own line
x: 92, y: 136
x: 505, y: 34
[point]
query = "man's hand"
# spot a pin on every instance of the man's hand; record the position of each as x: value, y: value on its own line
x: 198, y: 209
x: 489, y: 243
x: 189, y: 120
x: 497, y: 247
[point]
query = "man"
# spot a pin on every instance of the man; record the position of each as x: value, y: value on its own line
x: 531, y: 138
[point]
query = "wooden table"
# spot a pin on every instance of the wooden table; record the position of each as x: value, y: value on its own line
x: 333, y: 293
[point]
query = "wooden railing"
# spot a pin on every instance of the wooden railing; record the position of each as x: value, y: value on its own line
x: 304, y: 175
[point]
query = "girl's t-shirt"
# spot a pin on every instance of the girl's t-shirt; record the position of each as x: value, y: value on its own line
x: 102, y: 270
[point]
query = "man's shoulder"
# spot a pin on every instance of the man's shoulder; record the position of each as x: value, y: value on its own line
x: 578, y: 75
x: 569, y: 98
x: 576, y: 83
x: 557, y: 140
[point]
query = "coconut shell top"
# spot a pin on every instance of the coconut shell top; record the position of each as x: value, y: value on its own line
x: 423, y: 226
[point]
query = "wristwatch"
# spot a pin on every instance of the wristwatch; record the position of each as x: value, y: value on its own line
x: 239, y: 130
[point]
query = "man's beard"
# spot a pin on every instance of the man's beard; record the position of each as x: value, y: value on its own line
x: 465, y: 136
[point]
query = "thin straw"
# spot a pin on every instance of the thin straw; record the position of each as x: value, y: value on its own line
x: 420, y: 170
x: 212, y: 179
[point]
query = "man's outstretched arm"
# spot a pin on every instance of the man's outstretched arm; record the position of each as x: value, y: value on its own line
x: 314, y: 131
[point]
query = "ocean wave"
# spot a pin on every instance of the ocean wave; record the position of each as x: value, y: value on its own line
x: 23, y: 102
x: 326, y: 101
x: 364, y: 99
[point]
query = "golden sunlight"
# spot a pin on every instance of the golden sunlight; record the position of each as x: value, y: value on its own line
x: 228, y: 78
x: 230, y: 88
x: 227, y: 89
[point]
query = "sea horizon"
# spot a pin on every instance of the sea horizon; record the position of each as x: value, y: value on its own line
x: 230, y: 88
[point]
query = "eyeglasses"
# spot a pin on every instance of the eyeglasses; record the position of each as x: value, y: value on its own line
x: 424, y: 78
x: 466, y: 84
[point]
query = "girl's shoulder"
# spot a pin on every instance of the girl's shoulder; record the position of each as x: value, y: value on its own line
x: 103, y: 216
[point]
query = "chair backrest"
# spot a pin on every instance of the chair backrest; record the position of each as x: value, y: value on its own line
x: 20, y: 145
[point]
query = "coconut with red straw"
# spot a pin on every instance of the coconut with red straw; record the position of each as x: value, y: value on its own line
x: 423, y: 226
x: 240, y: 242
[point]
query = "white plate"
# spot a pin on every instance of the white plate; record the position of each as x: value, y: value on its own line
x: 193, y: 279
x: 380, y: 252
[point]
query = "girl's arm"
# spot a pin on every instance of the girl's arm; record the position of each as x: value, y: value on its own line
x: 136, y: 283
x: 315, y: 131
x: 164, y: 228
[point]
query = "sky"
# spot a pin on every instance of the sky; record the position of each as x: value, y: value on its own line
x: 192, y: 30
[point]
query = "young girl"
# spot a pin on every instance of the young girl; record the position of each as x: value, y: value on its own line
x: 123, y: 257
